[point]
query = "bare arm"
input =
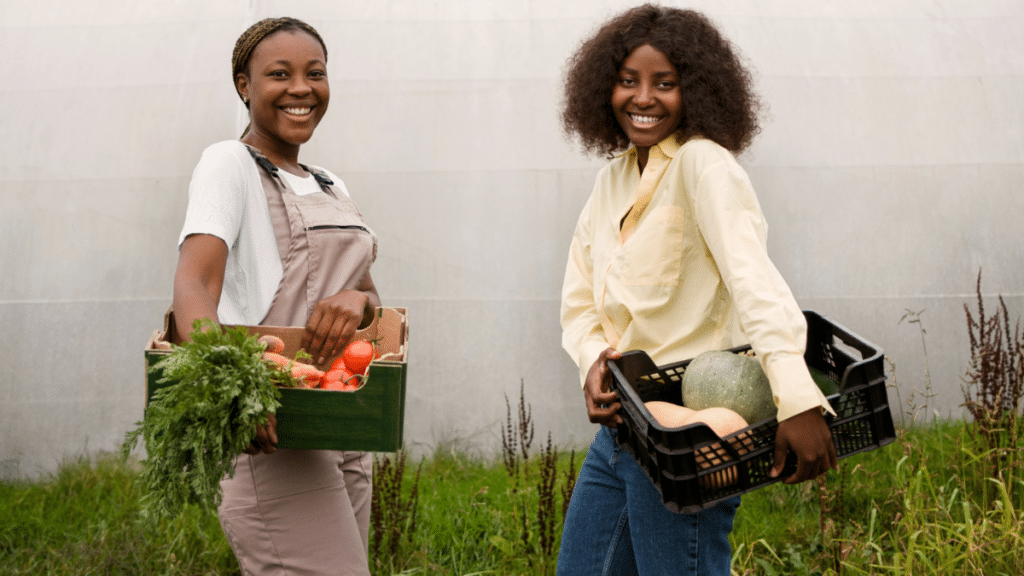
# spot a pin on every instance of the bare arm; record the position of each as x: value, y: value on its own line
x: 197, y: 285
x: 198, y: 280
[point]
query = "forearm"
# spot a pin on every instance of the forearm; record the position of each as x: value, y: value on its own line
x: 368, y: 288
x: 192, y: 301
x: 372, y: 304
x: 198, y: 281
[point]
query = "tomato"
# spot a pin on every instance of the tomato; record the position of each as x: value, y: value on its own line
x: 358, y: 356
x: 341, y: 380
x: 333, y: 385
x: 331, y: 376
x: 338, y: 364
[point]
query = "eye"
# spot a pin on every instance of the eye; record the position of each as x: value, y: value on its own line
x: 318, y: 73
x: 666, y: 85
x: 278, y: 74
x: 627, y: 82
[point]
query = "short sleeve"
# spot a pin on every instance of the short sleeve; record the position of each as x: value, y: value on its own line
x: 216, y: 195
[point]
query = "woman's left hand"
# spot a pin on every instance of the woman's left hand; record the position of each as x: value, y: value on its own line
x: 334, y: 321
x: 807, y: 435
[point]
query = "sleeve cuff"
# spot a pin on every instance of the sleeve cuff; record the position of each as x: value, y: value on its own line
x: 793, y: 388
x: 589, y: 353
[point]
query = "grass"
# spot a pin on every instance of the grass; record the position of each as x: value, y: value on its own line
x: 84, y: 520
x: 923, y: 505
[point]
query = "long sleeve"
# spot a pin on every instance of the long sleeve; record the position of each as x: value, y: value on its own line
x: 731, y: 223
x: 582, y: 335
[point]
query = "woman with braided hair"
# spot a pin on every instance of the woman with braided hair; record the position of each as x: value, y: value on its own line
x: 268, y: 240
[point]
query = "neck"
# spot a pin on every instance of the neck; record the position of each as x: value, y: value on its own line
x: 642, y: 153
x: 280, y: 154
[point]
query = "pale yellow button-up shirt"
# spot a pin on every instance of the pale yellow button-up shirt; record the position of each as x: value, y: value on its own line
x: 687, y: 272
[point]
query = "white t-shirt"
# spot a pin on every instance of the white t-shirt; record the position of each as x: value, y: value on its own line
x: 226, y: 200
x: 302, y: 185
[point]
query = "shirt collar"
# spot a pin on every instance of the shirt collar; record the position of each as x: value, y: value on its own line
x: 668, y: 147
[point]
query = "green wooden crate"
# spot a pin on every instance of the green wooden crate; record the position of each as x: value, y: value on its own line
x: 368, y: 419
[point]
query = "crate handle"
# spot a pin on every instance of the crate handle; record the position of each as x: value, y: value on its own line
x: 870, y: 353
x: 627, y: 389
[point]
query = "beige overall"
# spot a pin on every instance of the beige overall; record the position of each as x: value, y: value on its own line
x: 304, y: 512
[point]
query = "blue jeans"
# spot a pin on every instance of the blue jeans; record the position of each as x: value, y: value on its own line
x: 618, y: 524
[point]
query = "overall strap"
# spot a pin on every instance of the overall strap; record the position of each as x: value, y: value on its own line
x: 320, y: 176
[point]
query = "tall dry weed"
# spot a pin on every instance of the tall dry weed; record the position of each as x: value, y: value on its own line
x: 994, y: 383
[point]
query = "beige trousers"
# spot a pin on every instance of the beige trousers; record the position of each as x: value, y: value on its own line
x: 299, y: 512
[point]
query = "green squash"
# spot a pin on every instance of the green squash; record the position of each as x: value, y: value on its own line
x: 727, y: 380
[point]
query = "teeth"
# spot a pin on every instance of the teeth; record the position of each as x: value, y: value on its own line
x: 298, y: 111
x: 644, y: 119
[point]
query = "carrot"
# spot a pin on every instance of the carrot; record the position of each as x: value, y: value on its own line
x: 309, y: 375
x: 272, y: 343
x: 277, y: 359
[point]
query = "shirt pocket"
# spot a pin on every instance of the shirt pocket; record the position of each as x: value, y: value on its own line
x: 320, y: 211
x: 653, y: 255
x: 327, y: 220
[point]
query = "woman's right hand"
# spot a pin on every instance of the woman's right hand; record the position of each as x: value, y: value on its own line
x: 602, y: 405
x: 265, y: 439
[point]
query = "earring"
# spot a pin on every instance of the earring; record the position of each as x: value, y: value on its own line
x: 245, y: 99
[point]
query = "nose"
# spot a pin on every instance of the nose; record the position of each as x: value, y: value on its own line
x: 299, y: 86
x: 644, y: 95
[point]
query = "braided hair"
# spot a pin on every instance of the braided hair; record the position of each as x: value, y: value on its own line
x: 249, y: 39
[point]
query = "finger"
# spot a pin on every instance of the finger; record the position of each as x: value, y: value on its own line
x: 605, y: 378
x: 610, y: 421
x: 594, y: 409
x: 605, y: 397
x: 272, y: 428
x: 263, y: 441
x: 331, y: 338
x: 318, y: 334
x: 261, y: 438
x: 779, y: 458
x: 600, y: 414
x: 311, y: 324
x: 803, y: 472
x: 254, y: 448
x: 341, y: 334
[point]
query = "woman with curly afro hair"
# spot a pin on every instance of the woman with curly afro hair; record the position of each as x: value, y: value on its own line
x: 669, y: 256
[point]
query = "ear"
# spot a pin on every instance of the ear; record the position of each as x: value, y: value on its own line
x: 242, y: 85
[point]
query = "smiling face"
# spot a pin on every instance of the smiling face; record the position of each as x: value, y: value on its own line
x: 647, y: 100
x: 286, y: 86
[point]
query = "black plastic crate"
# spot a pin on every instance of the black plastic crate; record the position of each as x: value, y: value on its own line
x: 693, y: 468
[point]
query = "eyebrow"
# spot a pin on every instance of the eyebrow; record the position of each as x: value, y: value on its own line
x: 286, y: 62
x: 656, y: 74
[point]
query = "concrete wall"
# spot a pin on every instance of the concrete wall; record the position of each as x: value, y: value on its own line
x: 889, y: 168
